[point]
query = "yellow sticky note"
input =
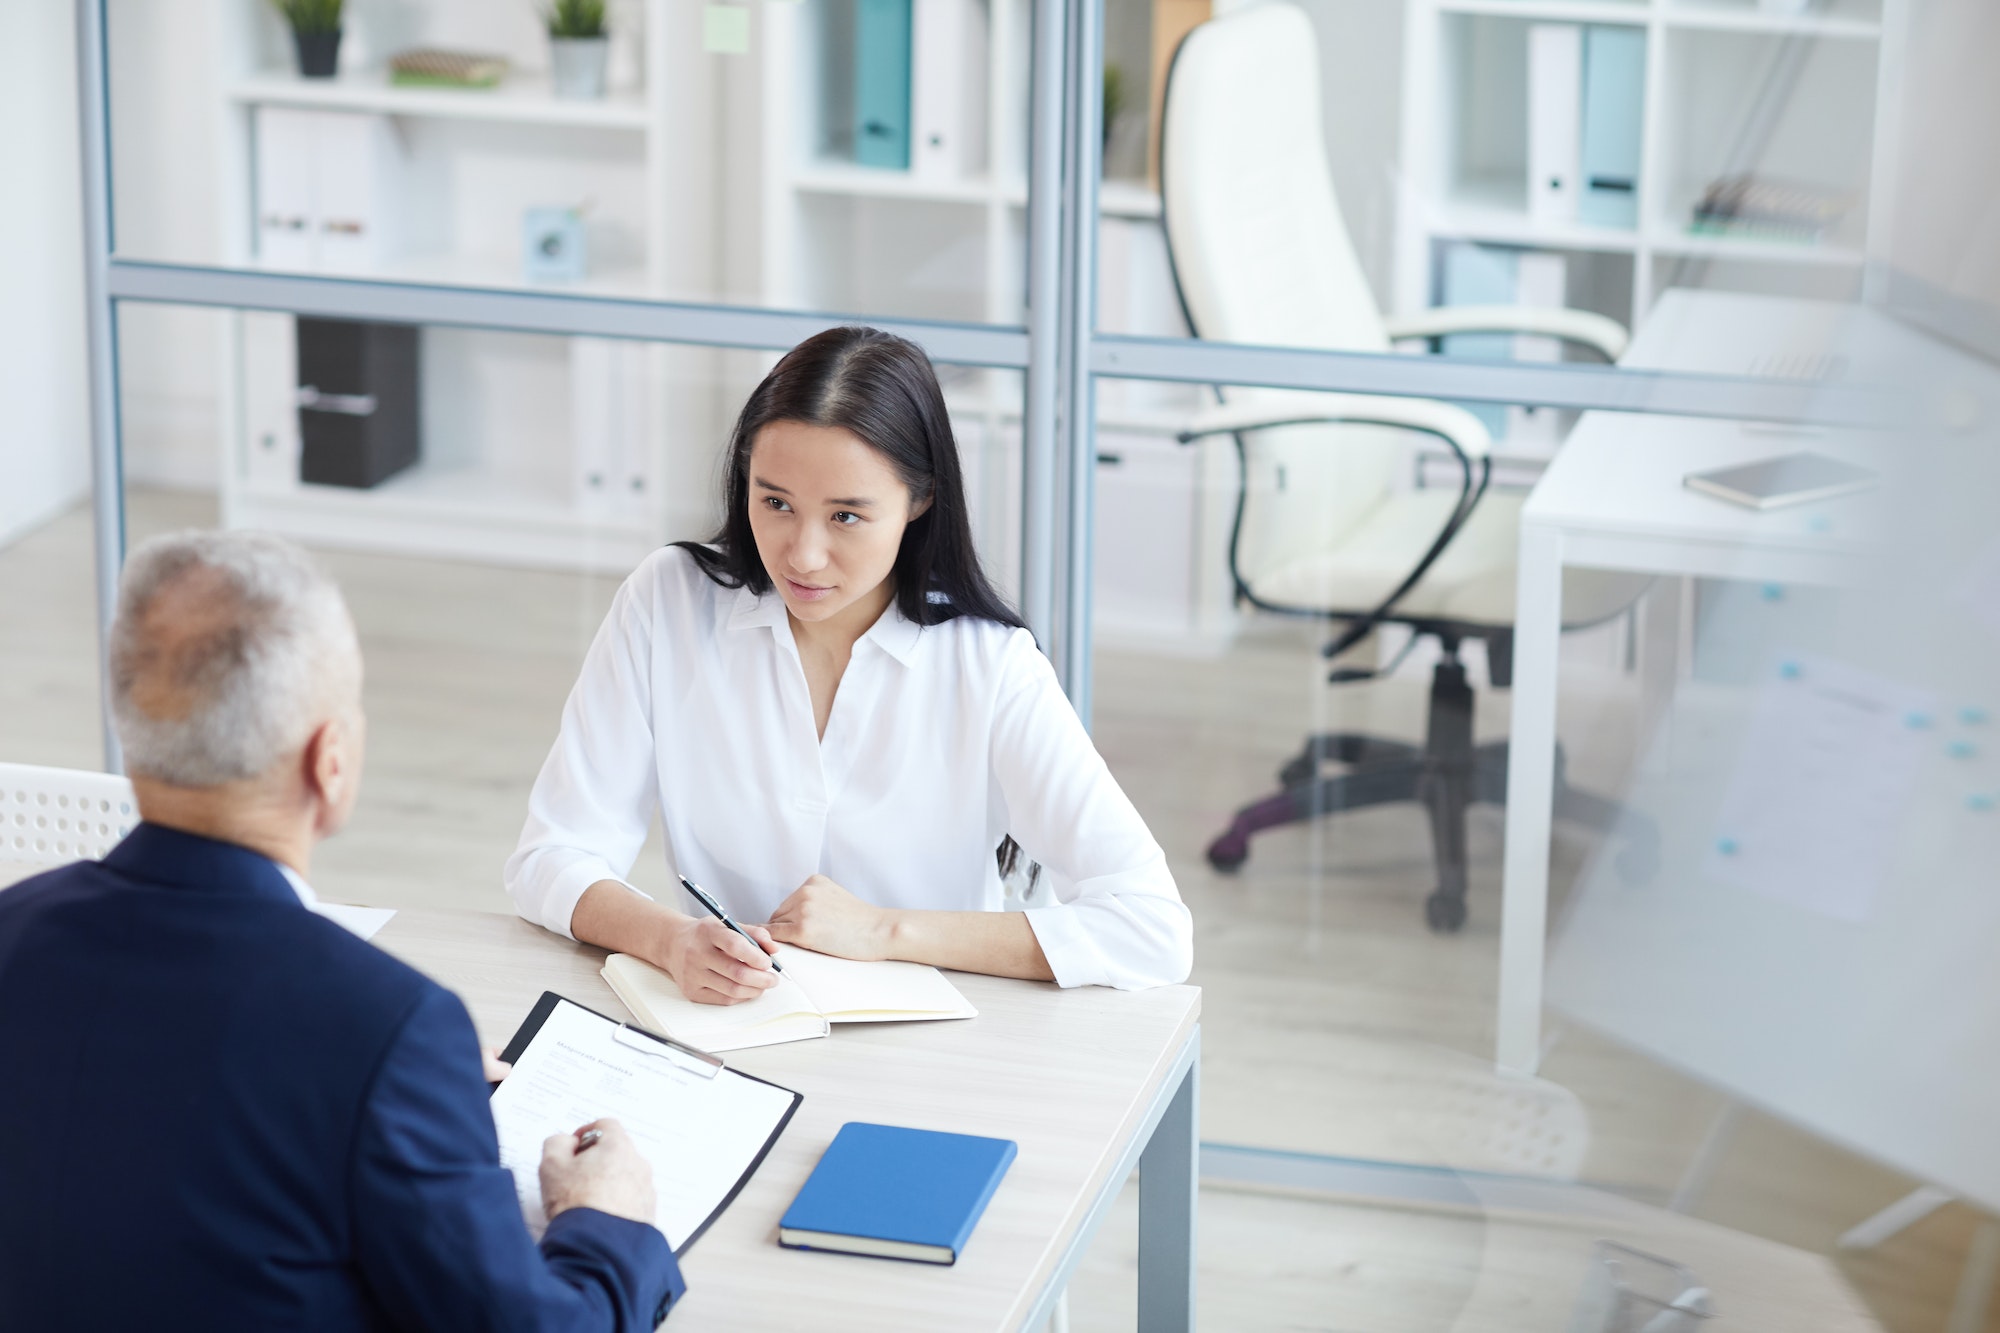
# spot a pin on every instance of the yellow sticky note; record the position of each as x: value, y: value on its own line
x: 725, y: 30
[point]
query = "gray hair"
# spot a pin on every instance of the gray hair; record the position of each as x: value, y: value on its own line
x: 237, y: 670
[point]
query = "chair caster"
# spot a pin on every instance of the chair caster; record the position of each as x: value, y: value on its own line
x: 1228, y: 852
x: 1297, y: 773
x: 1443, y: 913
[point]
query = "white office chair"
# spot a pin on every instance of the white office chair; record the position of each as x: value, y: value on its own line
x: 1260, y: 255
x: 52, y: 816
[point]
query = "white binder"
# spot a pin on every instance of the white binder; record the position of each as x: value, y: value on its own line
x: 947, y: 89
x: 1555, y: 103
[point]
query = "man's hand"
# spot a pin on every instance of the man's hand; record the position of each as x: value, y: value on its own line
x: 712, y: 964
x: 826, y: 918
x: 609, y: 1176
x: 496, y: 1068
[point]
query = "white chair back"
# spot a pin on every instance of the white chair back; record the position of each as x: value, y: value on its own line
x: 52, y: 816
x: 1262, y: 256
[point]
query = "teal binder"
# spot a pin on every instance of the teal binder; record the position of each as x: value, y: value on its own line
x: 1479, y: 275
x: 1614, y: 94
x: 882, y: 83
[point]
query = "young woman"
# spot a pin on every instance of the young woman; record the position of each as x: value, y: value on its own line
x: 845, y: 731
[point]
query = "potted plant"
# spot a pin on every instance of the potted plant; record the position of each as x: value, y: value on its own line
x: 316, y: 33
x: 578, y: 47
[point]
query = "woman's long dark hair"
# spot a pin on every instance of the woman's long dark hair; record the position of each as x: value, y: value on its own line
x: 881, y: 388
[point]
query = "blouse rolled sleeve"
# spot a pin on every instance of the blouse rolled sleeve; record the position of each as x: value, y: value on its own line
x: 595, y: 795
x: 1119, y: 920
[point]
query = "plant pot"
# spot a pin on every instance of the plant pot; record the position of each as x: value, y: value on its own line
x: 576, y: 66
x: 319, y: 53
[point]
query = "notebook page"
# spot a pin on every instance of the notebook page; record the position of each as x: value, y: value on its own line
x: 700, y: 1134
x: 848, y: 991
x: 783, y: 1013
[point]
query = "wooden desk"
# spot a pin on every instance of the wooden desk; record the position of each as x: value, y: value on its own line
x: 1089, y: 1082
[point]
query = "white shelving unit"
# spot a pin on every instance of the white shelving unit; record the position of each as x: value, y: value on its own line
x: 1707, y: 65
x: 708, y: 179
x: 505, y: 475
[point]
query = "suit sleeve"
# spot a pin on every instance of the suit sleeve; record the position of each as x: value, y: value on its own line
x: 438, y: 1231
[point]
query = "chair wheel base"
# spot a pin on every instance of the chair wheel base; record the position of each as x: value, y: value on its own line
x: 1228, y: 852
x: 1443, y: 913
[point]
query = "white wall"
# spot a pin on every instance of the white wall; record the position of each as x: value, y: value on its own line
x: 44, y: 444
x: 1361, y: 81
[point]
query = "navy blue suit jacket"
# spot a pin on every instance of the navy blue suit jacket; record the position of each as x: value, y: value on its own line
x: 219, y: 1110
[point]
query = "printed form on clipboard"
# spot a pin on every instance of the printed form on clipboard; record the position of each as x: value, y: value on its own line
x: 814, y: 990
x: 704, y: 1128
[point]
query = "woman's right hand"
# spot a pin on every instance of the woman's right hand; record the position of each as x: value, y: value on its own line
x: 712, y: 964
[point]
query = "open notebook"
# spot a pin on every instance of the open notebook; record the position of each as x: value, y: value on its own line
x: 813, y: 991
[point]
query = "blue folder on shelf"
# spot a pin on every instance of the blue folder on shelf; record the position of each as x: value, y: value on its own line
x: 1614, y: 91
x: 896, y: 1193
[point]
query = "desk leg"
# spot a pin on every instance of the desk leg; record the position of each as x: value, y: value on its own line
x: 1168, y: 1175
x: 1530, y: 796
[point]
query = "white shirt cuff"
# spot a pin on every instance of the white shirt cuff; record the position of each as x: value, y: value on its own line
x: 559, y: 904
x: 1066, y: 943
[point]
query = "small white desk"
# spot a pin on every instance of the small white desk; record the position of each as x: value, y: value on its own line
x: 1613, y: 498
x: 1089, y: 1082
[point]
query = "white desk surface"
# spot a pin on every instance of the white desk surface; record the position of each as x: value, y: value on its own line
x: 1620, y: 473
x: 1068, y: 1075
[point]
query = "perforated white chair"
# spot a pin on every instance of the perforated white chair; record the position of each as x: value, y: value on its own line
x: 52, y: 816
x: 1261, y: 256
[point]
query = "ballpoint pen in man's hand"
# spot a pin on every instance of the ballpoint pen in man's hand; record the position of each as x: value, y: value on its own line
x: 715, y: 910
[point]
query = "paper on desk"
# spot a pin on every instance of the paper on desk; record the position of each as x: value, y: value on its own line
x: 1812, y: 813
x: 363, y: 921
x: 700, y: 1134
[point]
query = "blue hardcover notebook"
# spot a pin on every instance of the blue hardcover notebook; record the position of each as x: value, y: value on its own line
x: 896, y: 1193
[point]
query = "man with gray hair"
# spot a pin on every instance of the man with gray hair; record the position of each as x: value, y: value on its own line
x: 222, y: 1110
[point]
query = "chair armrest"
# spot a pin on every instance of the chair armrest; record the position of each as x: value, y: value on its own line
x: 1454, y: 424
x: 1578, y: 326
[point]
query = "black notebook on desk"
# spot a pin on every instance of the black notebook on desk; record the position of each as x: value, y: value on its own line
x: 704, y: 1127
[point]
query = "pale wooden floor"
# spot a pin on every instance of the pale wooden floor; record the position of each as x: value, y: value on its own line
x: 1314, y: 958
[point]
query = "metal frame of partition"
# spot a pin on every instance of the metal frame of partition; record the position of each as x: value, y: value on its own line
x: 1059, y: 348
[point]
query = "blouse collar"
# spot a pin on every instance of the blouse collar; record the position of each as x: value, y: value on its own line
x: 893, y: 632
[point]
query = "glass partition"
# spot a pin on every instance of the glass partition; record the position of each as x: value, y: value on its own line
x: 815, y: 155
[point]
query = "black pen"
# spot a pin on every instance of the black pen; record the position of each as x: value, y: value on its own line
x: 715, y: 910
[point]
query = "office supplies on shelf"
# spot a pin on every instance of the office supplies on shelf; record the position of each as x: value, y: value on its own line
x: 359, y: 422
x: 814, y: 990
x: 1749, y: 205
x: 714, y: 909
x: 1555, y: 95
x: 328, y: 184
x: 703, y: 1127
x: 896, y: 1193
x: 433, y: 67
x: 882, y: 83
x: 553, y: 245
x: 1614, y: 90
x: 1775, y: 483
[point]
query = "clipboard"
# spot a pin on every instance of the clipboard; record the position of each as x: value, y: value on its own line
x: 686, y: 1059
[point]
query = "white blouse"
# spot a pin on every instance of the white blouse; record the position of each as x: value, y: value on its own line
x: 942, y: 740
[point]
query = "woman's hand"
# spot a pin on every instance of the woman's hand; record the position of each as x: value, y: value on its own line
x: 826, y: 918
x: 712, y: 964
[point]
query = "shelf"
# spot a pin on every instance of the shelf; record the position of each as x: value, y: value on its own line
x: 460, y: 270
x: 1718, y: 18
x: 1115, y: 198
x: 459, y: 513
x: 521, y: 99
x: 1628, y: 12
x: 1667, y: 241
x: 1488, y: 209
x: 841, y: 178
